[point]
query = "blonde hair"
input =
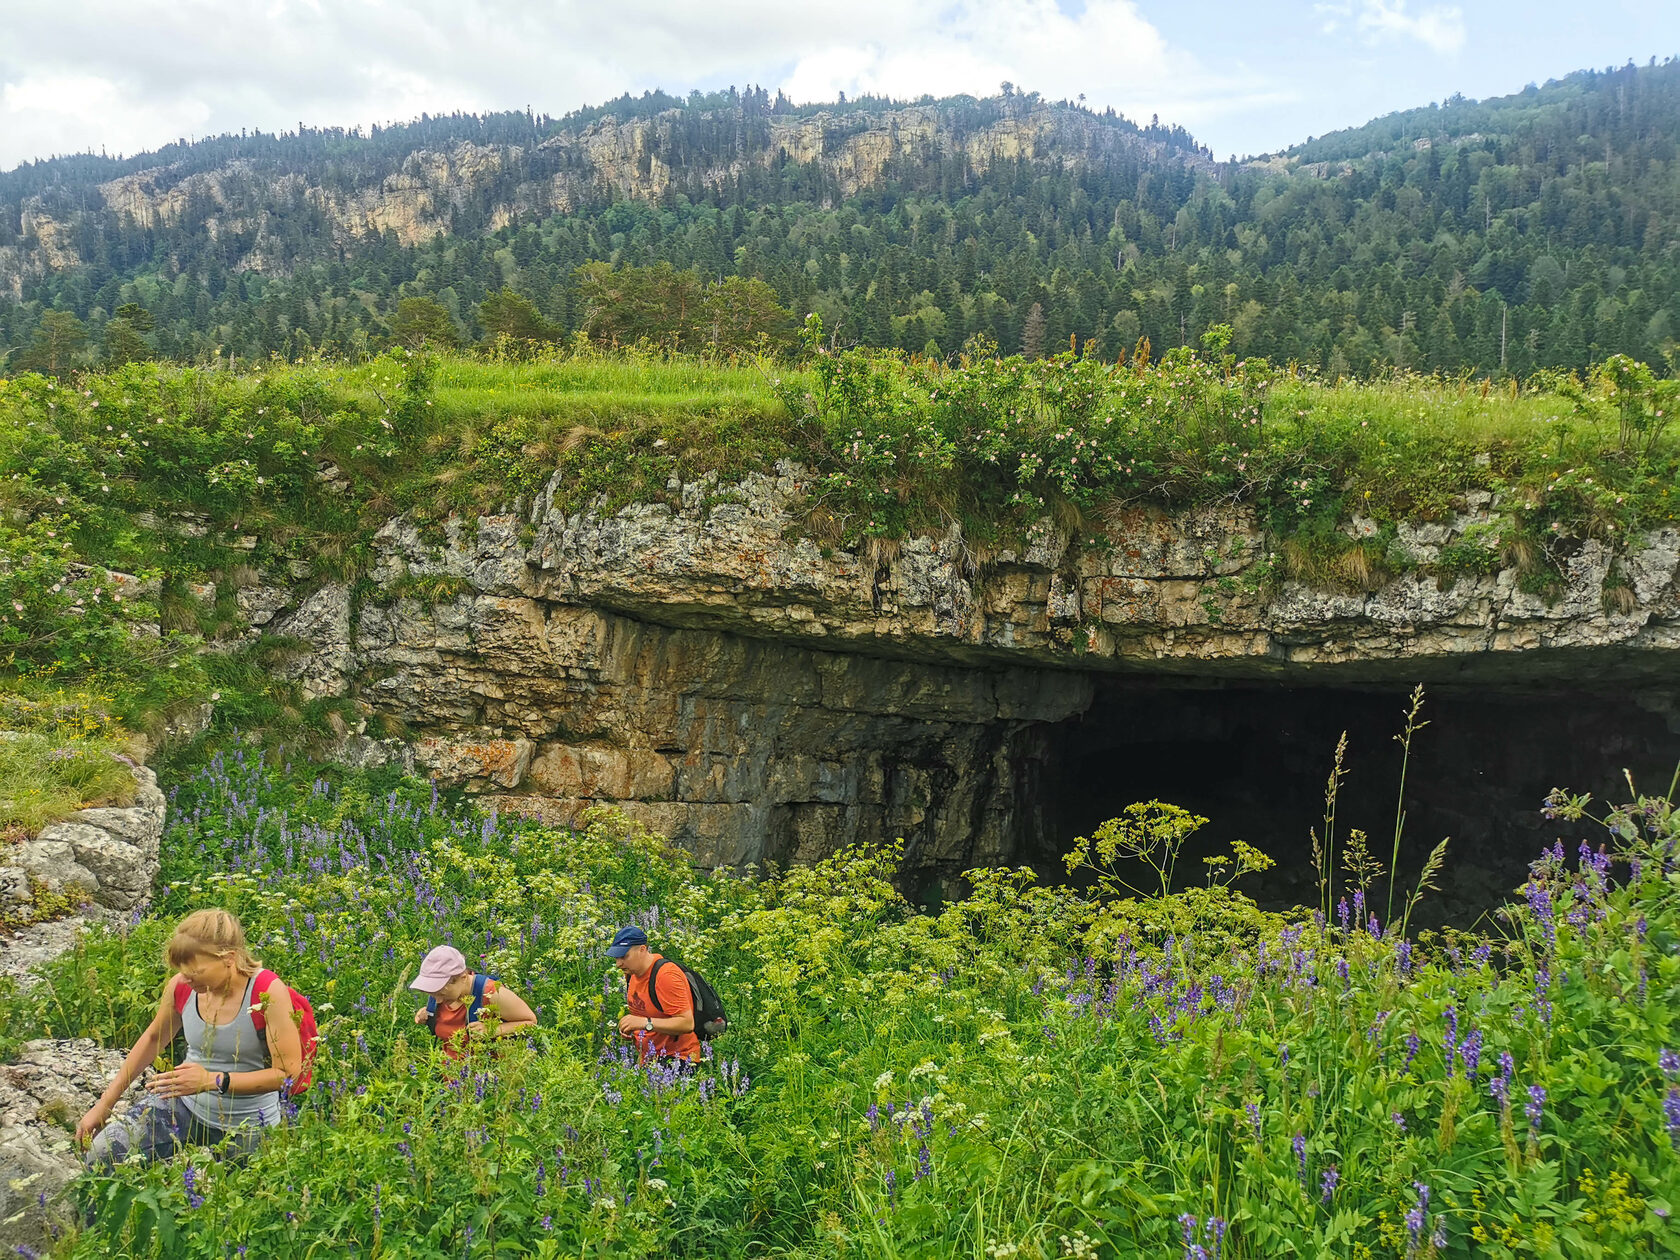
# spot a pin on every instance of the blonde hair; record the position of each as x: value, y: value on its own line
x: 209, y: 933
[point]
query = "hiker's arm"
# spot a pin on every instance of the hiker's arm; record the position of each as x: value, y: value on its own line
x: 159, y: 1033
x: 516, y: 1016
x: 681, y: 1022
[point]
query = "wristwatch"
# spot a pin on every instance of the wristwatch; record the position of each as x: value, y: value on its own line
x: 650, y: 1023
x: 226, y: 1085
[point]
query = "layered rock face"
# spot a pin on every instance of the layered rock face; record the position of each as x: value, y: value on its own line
x: 109, y: 855
x: 638, y: 159
x: 760, y: 697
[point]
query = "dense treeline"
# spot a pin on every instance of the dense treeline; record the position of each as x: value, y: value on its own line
x: 1533, y: 231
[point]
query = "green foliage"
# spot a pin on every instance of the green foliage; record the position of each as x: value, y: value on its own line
x: 45, y: 777
x: 678, y: 310
x: 421, y: 322
x: 1026, y: 1065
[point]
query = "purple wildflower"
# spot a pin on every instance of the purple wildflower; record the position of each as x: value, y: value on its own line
x: 1470, y: 1051
x: 1253, y: 1111
x: 1216, y: 1226
x: 1669, y: 1062
x: 1417, y: 1218
x: 1327, y: 1183
x: 189, y: 1179
x: 1399, y: 1121
x: 1300, y: 1145
x: 1535, y: 1109
x: 1671, y: 1115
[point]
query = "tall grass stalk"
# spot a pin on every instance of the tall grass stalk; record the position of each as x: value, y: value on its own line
x: 1405, y: 737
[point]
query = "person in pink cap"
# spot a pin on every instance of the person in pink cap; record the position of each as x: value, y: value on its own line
x: 456, y: 997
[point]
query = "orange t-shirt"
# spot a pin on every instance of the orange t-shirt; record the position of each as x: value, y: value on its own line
x: 675, y: 997
x: 451, y: 1027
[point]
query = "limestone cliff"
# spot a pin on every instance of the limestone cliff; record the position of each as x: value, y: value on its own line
x: 249, y: 207
x: 761, y: 698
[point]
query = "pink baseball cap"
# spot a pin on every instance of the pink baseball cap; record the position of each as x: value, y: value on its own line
x: 438, y: 968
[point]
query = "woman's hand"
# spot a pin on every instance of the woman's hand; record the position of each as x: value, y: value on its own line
x: 189, y: 1078
x: 422, y: 1015
x: 96, y: 1118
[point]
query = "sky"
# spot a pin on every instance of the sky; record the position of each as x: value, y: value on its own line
x: 1245, y: 76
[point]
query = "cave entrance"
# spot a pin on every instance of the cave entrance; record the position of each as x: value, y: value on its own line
x: 1254, y: 759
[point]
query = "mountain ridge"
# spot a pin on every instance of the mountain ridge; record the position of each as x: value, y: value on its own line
x: 973, y: 212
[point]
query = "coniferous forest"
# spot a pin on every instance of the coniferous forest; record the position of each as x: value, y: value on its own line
x: 1533, y: 231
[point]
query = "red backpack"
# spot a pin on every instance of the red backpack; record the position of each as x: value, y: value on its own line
x: 308, y: 1034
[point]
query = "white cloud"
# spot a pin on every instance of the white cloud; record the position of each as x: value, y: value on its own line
x: 134, y: 74
x: 1440, y: 27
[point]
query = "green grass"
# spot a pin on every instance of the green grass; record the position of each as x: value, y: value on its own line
x: 44, y: 778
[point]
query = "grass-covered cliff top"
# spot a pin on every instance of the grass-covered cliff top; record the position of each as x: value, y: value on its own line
x: 185, y: 476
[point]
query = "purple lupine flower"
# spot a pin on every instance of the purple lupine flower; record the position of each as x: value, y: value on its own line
x: 1216, y: 1227
x: 1671, y: 1115
x: 1470, y: 1051
x: 1283, y: 1055
x: 924, y: 1163
x: 1342, y: 970
x: 1403, y: 952
x: 189, y: 1179
x: 1342, y: 913
x: 1417, y: 1218
x: 1253, y: 1110
x: 1540, y: 905
x: 1451, y: 1018
x: 1300, y: 1145
x: 1438, y: 1239
x: 1399, y: 1121
x: 1327, y: 1183
x: 1187, y: 1223
x: 1412, y: 1047
x: 1669, y: 1062
x: 1535, y: 1109
x: 1373, y: 927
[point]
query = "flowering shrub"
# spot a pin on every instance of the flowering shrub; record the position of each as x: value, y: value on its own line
x: 1026, y: 1072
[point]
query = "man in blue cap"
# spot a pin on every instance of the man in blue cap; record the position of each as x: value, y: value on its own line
x: 662, y: 1022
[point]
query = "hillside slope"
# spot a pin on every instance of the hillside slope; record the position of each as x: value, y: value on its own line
x: 1536, y: 230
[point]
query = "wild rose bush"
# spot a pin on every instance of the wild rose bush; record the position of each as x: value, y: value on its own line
x: 1015, y: 1075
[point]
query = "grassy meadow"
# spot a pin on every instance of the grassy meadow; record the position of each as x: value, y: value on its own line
x: 1028, y: 1072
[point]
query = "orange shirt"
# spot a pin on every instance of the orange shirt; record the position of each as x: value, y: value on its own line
x: 452, y: 1019
x: 676, y: 998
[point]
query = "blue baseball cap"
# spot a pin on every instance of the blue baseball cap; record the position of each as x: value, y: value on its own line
x: 626, y: 940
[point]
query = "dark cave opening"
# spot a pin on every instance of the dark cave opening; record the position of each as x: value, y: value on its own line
x: 1254, y: 759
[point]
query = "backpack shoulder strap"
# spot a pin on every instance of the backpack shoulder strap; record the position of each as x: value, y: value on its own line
x: 653, y: 985
x: 262, y: 984
x: 480, y: 982
x: 182, y: 995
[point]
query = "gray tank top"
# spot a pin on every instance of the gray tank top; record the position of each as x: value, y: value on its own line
x: 235, y: 1046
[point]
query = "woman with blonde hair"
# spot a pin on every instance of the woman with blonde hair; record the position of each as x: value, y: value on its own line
x: 229, y: 1087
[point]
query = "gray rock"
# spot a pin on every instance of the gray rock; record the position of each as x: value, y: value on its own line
x: 42, y: 1096
x: 259, y: 604
x: 110, y: 853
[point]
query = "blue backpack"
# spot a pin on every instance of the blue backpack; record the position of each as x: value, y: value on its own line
x: 473, y: 1007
